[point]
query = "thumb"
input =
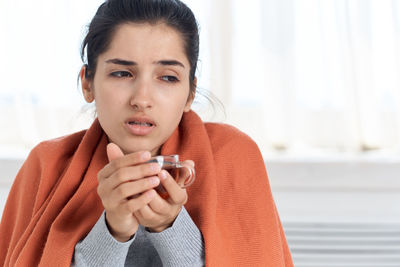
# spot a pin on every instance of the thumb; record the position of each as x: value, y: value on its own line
x: 113, y: 152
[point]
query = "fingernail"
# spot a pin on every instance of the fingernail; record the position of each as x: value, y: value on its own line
x: 154, y: 180
x: 163, y: 174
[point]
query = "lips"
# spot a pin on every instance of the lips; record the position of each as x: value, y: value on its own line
x: 140, y: 125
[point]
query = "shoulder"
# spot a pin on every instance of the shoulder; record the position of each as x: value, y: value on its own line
x: 239, y: 160
x: 43, y: 166
x: 229, y: 138
x: 51, y: 156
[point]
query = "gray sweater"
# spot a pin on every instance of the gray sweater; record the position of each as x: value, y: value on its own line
x: 179, y: 245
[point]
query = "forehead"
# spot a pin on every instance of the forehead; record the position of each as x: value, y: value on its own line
x: 143, y: 42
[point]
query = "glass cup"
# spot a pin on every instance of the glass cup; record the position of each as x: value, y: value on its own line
x: 183, y: 172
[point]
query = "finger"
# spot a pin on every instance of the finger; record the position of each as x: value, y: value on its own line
x: 111, y: 195
x: 129, y: 174
x: 135, y: 204
x: 159, y: 205
x: 147, y: 217
x: 132, y: 189
x: 114, y: 152
x: 146, y: 213
x: 177, y: 195
x: 125, y: 161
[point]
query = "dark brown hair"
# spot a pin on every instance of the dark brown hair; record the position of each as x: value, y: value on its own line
x: 113, y: 13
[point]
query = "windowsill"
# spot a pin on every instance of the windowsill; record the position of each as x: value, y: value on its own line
x: 389, y: 155
x: 336, y: 188
x: 318, y: 189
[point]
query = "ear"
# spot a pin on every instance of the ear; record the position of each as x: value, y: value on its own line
x: 191, y: 96
x: 87, y: 90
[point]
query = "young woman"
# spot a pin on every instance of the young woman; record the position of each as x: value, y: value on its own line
x: 92, y: 198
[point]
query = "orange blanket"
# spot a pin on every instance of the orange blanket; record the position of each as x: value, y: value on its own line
x: 53, y: 203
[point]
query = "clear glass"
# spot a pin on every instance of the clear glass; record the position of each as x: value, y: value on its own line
x: 183, y: 172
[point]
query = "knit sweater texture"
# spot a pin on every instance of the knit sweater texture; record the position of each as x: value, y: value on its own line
x: 179, y: 245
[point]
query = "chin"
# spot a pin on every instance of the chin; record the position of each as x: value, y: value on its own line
x: 133, y: 149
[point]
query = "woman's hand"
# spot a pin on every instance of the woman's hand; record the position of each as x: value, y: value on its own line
x: 160, y: 213
x: 125, y: 187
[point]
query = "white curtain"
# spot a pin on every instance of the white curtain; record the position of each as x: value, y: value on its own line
x: 299, y: 76
x: 39, y: 48
x: 313, y: 75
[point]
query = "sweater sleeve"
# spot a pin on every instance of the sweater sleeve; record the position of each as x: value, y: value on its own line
x: 100, y: 248
x: 181, y: 244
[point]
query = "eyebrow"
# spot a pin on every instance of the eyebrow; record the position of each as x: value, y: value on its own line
x: 133, y: 63
x: 121, y: 62
x: 169, y: 63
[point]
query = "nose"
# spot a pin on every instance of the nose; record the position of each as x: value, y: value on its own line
x: 141, y: 98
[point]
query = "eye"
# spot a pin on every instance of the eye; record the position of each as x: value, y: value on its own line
x: 169, y: 78
x: 121, y: 74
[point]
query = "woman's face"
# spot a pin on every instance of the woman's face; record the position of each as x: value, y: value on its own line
x: 141, y: 86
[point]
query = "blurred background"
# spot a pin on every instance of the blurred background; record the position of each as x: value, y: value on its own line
x: 314, y: 82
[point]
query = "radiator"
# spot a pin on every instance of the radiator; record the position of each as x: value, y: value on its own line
x: 343, y: 244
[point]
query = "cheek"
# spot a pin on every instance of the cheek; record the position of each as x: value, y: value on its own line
x: 171, y: 109
x: 176, y: 105
x: 107, y: 97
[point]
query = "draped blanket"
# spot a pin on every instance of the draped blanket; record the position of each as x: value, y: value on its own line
x: 53, y: 202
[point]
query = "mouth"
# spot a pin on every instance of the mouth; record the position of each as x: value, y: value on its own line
x: 140, y: 126
x: 146, y: 124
